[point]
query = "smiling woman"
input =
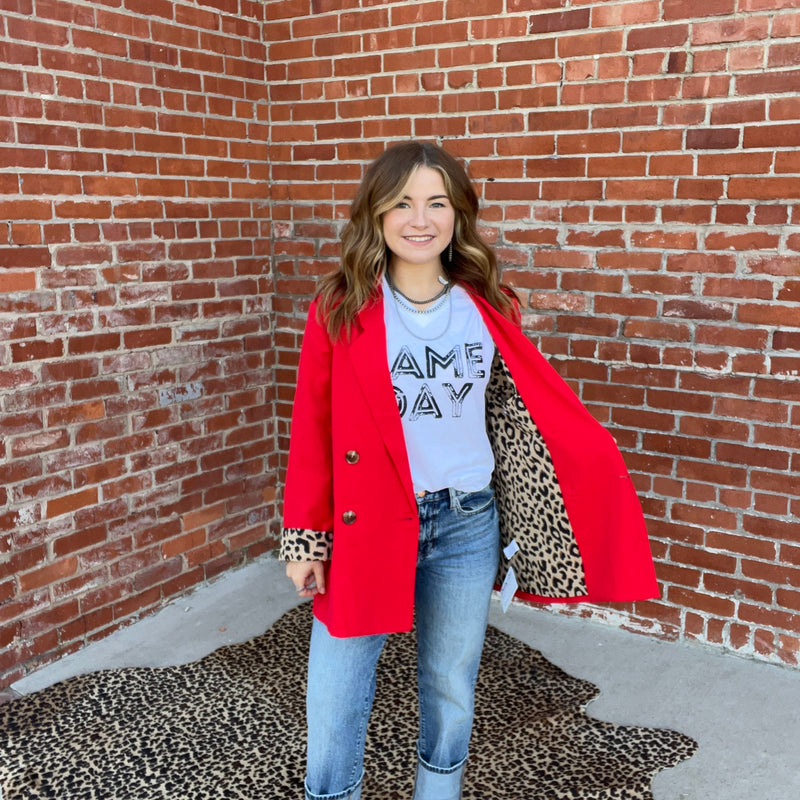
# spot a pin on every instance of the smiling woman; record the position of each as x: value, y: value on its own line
x: 414, y: 452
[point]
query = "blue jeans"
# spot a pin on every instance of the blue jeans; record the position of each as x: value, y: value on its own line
x: 456, y: 568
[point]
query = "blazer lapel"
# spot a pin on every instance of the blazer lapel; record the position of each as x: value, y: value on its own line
x: 369, y: 360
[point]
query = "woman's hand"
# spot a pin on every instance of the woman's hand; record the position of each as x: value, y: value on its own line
x: 308, y: 577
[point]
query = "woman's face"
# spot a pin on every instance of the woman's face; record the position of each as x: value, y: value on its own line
x: 420, y: 227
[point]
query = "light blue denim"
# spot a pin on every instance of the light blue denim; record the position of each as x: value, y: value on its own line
x: 456, y: 568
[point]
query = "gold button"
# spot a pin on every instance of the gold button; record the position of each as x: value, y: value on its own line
x: 349, y: 517
x: 351, y: 456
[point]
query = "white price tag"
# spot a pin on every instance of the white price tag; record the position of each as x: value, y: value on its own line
x: 511, y: 549
x: 508, y: 588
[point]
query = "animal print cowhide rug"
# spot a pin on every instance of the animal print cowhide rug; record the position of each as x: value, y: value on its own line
x: 231, y: 726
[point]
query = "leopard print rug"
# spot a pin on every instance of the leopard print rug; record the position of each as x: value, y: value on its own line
x: 231, y: 726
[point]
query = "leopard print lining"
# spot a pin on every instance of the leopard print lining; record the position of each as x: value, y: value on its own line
x: 529, y: 497
x: 304, y: 544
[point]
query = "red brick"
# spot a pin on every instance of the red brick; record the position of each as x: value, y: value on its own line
x: 745, y: 546
x: 147, y: 338
x: 33, y: 30
x: 712, y: 138
x: 657, y: 37
x: 739, y: 111
x: 746, y: 57
x: 768, y: 136
x: 768, y: 82
x: 80, y: 540
x: 740, y: 29
x: 577, y: 45
x: 701, y: 262
x: 686, y: 9
x: 644, y: 115
x: 758, y: 314
x: 534, y: 49
x: 496, y: 27
x: 757, y: 457
x: 783, y: 55
x: 718, y: 606
x: 554, y: 22
x: 39, y: 443
x: 683, y: 576
x: 773, y: 265
x: 156, y: 574
x: 17, y: 281
x: 771, y: 215
x: 417, y: 13
x: 624, y: 14
x: 767, y: 617
x: 772, y: 528
x: 64, y: 505
x: 44, y: 576
x: 36, y: 350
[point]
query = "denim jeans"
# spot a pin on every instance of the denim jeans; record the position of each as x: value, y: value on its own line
x: 456, y: 568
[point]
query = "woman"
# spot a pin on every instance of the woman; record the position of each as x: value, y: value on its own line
x: 427, y: 430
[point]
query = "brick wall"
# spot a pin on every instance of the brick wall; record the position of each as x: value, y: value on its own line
x: 638, y: 166
x: 137, y: 453
x: 167, y: 211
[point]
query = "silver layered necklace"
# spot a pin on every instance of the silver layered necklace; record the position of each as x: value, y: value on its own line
x: 404, y: 299
x: 403, y: 304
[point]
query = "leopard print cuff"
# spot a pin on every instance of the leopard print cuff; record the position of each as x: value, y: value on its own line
x: 304, y: 544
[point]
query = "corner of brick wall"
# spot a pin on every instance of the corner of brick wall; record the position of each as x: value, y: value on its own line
x: 137, y: 456
x: 638, y: 168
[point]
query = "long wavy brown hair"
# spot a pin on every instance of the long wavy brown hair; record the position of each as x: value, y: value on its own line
x: 365, y: 257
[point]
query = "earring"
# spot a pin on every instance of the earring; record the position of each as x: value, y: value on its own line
x: 450, y: 252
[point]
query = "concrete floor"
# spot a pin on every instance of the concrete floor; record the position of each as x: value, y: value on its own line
x: 745, y: 715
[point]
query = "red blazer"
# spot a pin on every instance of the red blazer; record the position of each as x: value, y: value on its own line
x: 348, y: 475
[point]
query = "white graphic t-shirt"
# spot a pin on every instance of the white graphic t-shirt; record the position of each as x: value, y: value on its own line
x: 440, y: 362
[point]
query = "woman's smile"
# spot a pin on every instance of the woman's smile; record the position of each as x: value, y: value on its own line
x: 419, y: 239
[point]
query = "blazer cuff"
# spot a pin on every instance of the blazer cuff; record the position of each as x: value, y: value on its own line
x: 305, y: 544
